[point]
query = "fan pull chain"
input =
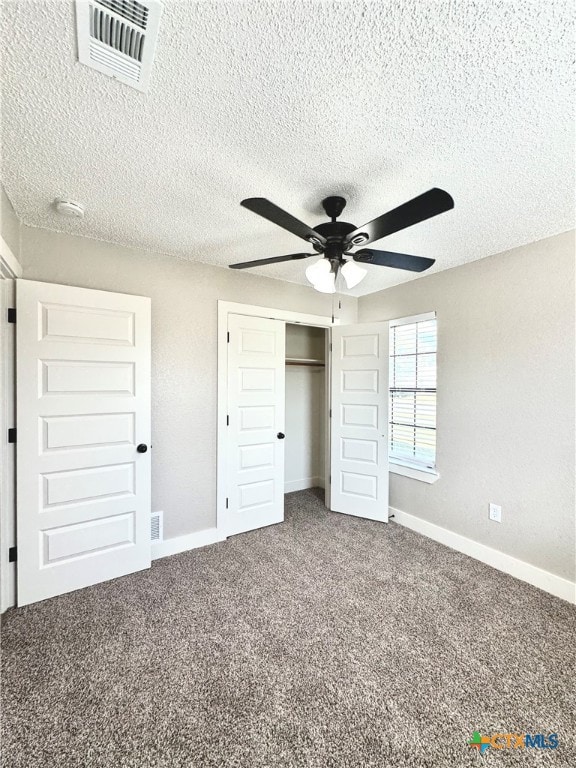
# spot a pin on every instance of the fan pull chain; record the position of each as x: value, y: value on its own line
x: 333, y: 306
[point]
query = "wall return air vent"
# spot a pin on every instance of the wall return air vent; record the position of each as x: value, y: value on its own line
x: 157, y: 527
x: 118, y: 38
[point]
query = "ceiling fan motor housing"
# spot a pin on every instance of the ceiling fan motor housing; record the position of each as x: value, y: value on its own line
x: 335, y: 233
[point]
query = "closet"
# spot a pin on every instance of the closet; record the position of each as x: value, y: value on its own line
x: 277, y: 380
x: 306, y: 407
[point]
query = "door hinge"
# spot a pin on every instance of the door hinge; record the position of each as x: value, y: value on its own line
x: 330, y: 413
x: 226, y: 503
x: 227, y: 421
x: 11, y: 314
x: 228, y: 337
x: 330, y: 346
x: 12, y: 554
x: 12, y: 435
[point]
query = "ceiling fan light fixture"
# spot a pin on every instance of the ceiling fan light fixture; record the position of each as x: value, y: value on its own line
x: 320, y: 269
x: 322, y: 276
x: 353, y: 274
x: 326, y: 284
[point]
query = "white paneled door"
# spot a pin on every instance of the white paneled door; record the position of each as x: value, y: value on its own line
x: 255, y: 430
x: 359, y: 424
x: 83, y: 437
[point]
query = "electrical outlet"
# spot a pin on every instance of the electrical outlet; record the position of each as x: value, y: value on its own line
x: 495, y: 513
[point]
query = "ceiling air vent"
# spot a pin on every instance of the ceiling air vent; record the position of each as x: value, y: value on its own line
x: 118, y: 38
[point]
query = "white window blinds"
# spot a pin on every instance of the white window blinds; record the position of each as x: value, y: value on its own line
x: 413, y: 391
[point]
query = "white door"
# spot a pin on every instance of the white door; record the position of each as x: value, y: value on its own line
x: 359, y: 423
x: 83, y: 407
x: 255, y: 444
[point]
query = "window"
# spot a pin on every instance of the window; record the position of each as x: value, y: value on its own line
x: 413, y: 392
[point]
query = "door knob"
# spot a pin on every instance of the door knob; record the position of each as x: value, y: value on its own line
x: 280, y: 435
x: 142, y: 448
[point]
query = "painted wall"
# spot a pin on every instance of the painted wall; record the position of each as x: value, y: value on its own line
x: 305, y: 342
x: 184, y: 346
x: 304, y: 450
x: 305, y: 409
x: 9, y: 224
x: 506, y: 350
x: 505, y: 377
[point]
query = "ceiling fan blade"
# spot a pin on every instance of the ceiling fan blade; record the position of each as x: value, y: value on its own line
x: 272, y: 260
x: 394, y: 260
x: 418, y: 209
x: 276, y: 215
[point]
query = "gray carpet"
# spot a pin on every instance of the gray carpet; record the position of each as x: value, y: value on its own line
x: 327, y: 641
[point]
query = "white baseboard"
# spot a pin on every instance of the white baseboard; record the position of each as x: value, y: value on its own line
x: 300, y: 485
x: 184, y: 543
x: 549, y: 582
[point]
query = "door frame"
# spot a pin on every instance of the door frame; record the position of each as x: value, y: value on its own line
x: 10, y: 270
x: 226, y: 308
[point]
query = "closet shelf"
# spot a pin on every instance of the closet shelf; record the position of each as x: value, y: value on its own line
x: 304, y: 361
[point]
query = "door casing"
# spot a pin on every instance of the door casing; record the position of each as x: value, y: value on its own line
x: 10, y: 270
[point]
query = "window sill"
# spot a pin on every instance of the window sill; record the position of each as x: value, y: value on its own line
x: 425, y: 476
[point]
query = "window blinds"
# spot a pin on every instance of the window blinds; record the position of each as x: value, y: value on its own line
x: 413, y: 392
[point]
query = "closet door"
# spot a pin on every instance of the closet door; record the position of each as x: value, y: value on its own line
x: 359, y: 424
x: 255, y: 444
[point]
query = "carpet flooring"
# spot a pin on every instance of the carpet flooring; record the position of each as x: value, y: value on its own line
x: 326, y: 642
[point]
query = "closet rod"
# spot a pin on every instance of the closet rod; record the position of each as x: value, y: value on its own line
x: 311, y: 363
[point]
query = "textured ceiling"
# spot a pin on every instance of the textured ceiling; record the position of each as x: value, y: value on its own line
x: 292, y: 101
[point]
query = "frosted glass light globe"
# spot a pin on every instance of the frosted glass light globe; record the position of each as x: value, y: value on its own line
x: 353, y: 274
x: 320, y: 269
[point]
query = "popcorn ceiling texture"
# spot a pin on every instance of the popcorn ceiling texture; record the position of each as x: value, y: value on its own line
x: 293, y: 101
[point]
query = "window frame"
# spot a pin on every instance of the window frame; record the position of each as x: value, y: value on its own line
x: 397, y: 466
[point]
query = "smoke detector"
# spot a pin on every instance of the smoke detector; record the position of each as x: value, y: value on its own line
x: 68, y: 208
x: 118, y: 38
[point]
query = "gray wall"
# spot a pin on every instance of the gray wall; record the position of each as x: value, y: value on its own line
x: 505, y: 400
x: 305, y: 409
x: 9, y: 224
x: 184, y: 348
x: 505, y: 379
x: 304, y: 448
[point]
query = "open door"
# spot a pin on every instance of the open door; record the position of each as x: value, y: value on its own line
x: 359, y: 424
x: 83, y: 433
x: 255, y: 431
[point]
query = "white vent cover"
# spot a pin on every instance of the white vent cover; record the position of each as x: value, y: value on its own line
x: 156, y: 526
x: 118, y: 38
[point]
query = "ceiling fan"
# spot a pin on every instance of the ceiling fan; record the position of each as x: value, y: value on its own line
x: 334, y: 239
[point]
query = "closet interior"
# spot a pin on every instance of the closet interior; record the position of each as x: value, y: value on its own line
x: 306, y: 407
